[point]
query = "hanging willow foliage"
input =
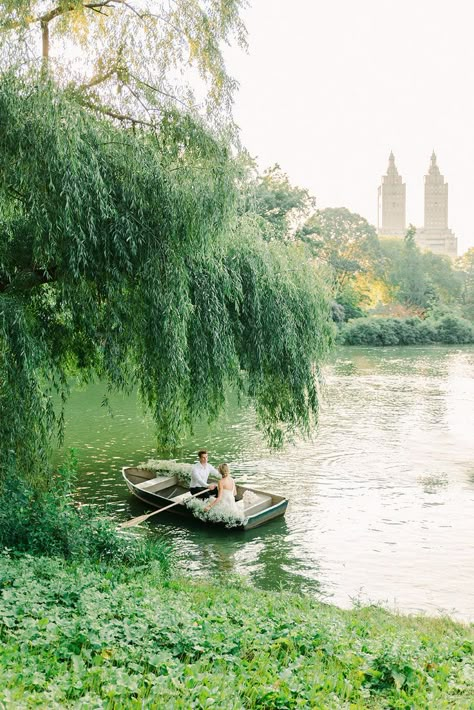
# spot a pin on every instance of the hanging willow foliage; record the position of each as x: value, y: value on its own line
x: 122, y: 257
x: 128, y: 59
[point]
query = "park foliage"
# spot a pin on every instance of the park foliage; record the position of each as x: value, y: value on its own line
x: 83, y: 636
x: 140, y: 246
x: 129, y: 251
x: 448, y: 329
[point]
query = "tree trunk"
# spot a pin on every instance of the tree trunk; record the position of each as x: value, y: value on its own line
x: 45, y: 37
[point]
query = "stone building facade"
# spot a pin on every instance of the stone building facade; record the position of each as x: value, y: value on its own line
x: 435, y: 234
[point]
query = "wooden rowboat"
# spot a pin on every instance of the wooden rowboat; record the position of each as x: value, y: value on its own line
x: 161, y: 490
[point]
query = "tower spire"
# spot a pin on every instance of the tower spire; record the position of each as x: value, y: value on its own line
x: 393, y: 195
x: 392, y: 168
x: 436, y: 197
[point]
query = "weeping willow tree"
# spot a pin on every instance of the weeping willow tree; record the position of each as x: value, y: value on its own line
x: 121, y: 257
x: 124, y: 252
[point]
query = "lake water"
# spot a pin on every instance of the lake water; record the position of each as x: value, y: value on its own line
x: 381, y: 500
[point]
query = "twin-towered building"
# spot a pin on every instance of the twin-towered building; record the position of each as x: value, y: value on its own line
x: 435, y: 234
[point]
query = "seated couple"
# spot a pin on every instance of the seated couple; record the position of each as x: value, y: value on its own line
x: 226, y: 490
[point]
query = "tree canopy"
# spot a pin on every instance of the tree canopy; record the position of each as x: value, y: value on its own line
x: 122, y: 257
x: 280, y: 206
x: 349, y: 245
x: 343, y: 239
x: 127, y: 59
x: 418, y: 279
x: 465, y: 264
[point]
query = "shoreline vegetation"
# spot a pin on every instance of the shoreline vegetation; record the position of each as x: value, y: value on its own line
x: 449, y: 329
x: 92, y: 617
x: 95, y: 635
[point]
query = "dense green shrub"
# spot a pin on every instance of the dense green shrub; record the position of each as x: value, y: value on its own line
x: 407, y: 331
x: 46, y: 522
x: 453, y: 329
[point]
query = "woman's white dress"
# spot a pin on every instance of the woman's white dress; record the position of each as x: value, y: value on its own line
x: 227, y: 504
x: 226, y: 511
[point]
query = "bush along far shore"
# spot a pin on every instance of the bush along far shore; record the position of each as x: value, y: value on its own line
x: 81, y: 635
x: 449, y: 329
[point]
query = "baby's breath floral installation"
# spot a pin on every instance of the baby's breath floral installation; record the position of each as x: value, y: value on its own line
x: 215, y: 514
x: 170, y: 468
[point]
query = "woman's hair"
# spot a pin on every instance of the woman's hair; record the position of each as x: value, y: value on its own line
x: 224, y: 469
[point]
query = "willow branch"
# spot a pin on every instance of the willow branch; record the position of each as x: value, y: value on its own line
x: 115, y: 114
x: 97, y: 79
x: 57, y: 11
x: 160, y: 91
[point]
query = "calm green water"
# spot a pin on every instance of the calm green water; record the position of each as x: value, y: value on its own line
x: 381, y: 500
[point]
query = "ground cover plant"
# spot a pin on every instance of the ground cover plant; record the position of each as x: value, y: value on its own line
x: 83, y: 636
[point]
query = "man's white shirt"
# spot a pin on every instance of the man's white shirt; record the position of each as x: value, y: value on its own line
x: 200, y: 474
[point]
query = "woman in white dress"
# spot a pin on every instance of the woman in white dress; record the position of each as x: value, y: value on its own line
x: 222, y: 509
x: 226, y: 492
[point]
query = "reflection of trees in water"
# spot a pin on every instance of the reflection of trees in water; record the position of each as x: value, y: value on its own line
x: 278, y: 567
x: 266, y: 556
x: 221, y: 559
x: 344, y: 367
x: 433, y: 483
x: 398, y: 391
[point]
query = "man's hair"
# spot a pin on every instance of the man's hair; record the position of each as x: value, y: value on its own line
x: 202, y: 452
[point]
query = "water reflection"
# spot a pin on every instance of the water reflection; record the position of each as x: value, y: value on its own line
x: 381, y: 500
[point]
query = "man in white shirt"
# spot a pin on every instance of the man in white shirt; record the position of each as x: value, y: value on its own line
x: 199, y: 475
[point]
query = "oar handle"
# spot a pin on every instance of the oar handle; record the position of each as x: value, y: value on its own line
x: 142, y: 518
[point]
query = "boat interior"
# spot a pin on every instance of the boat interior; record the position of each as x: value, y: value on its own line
x: 169, y: 487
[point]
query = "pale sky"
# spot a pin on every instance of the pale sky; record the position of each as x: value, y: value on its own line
x: 330, y: 87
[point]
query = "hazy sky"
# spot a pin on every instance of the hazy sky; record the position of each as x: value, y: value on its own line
x: 329, y: 87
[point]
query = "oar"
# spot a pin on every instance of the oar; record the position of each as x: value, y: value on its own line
x: 142, y: 518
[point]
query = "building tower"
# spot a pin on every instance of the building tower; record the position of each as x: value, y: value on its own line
x: 436, y: 198
x: 435, y: 234
x: 392, y: 193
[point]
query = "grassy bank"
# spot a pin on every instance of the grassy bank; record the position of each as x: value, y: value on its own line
x: 90, y: 636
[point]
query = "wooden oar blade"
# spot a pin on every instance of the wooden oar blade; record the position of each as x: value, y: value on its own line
x: 136, y: 521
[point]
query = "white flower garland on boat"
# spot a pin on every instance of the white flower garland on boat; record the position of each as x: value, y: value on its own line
x: 215, y: 514
x: 174, y: 468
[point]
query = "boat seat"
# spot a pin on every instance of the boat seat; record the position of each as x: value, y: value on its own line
x: 264, y: 501
x: 148, y: 485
